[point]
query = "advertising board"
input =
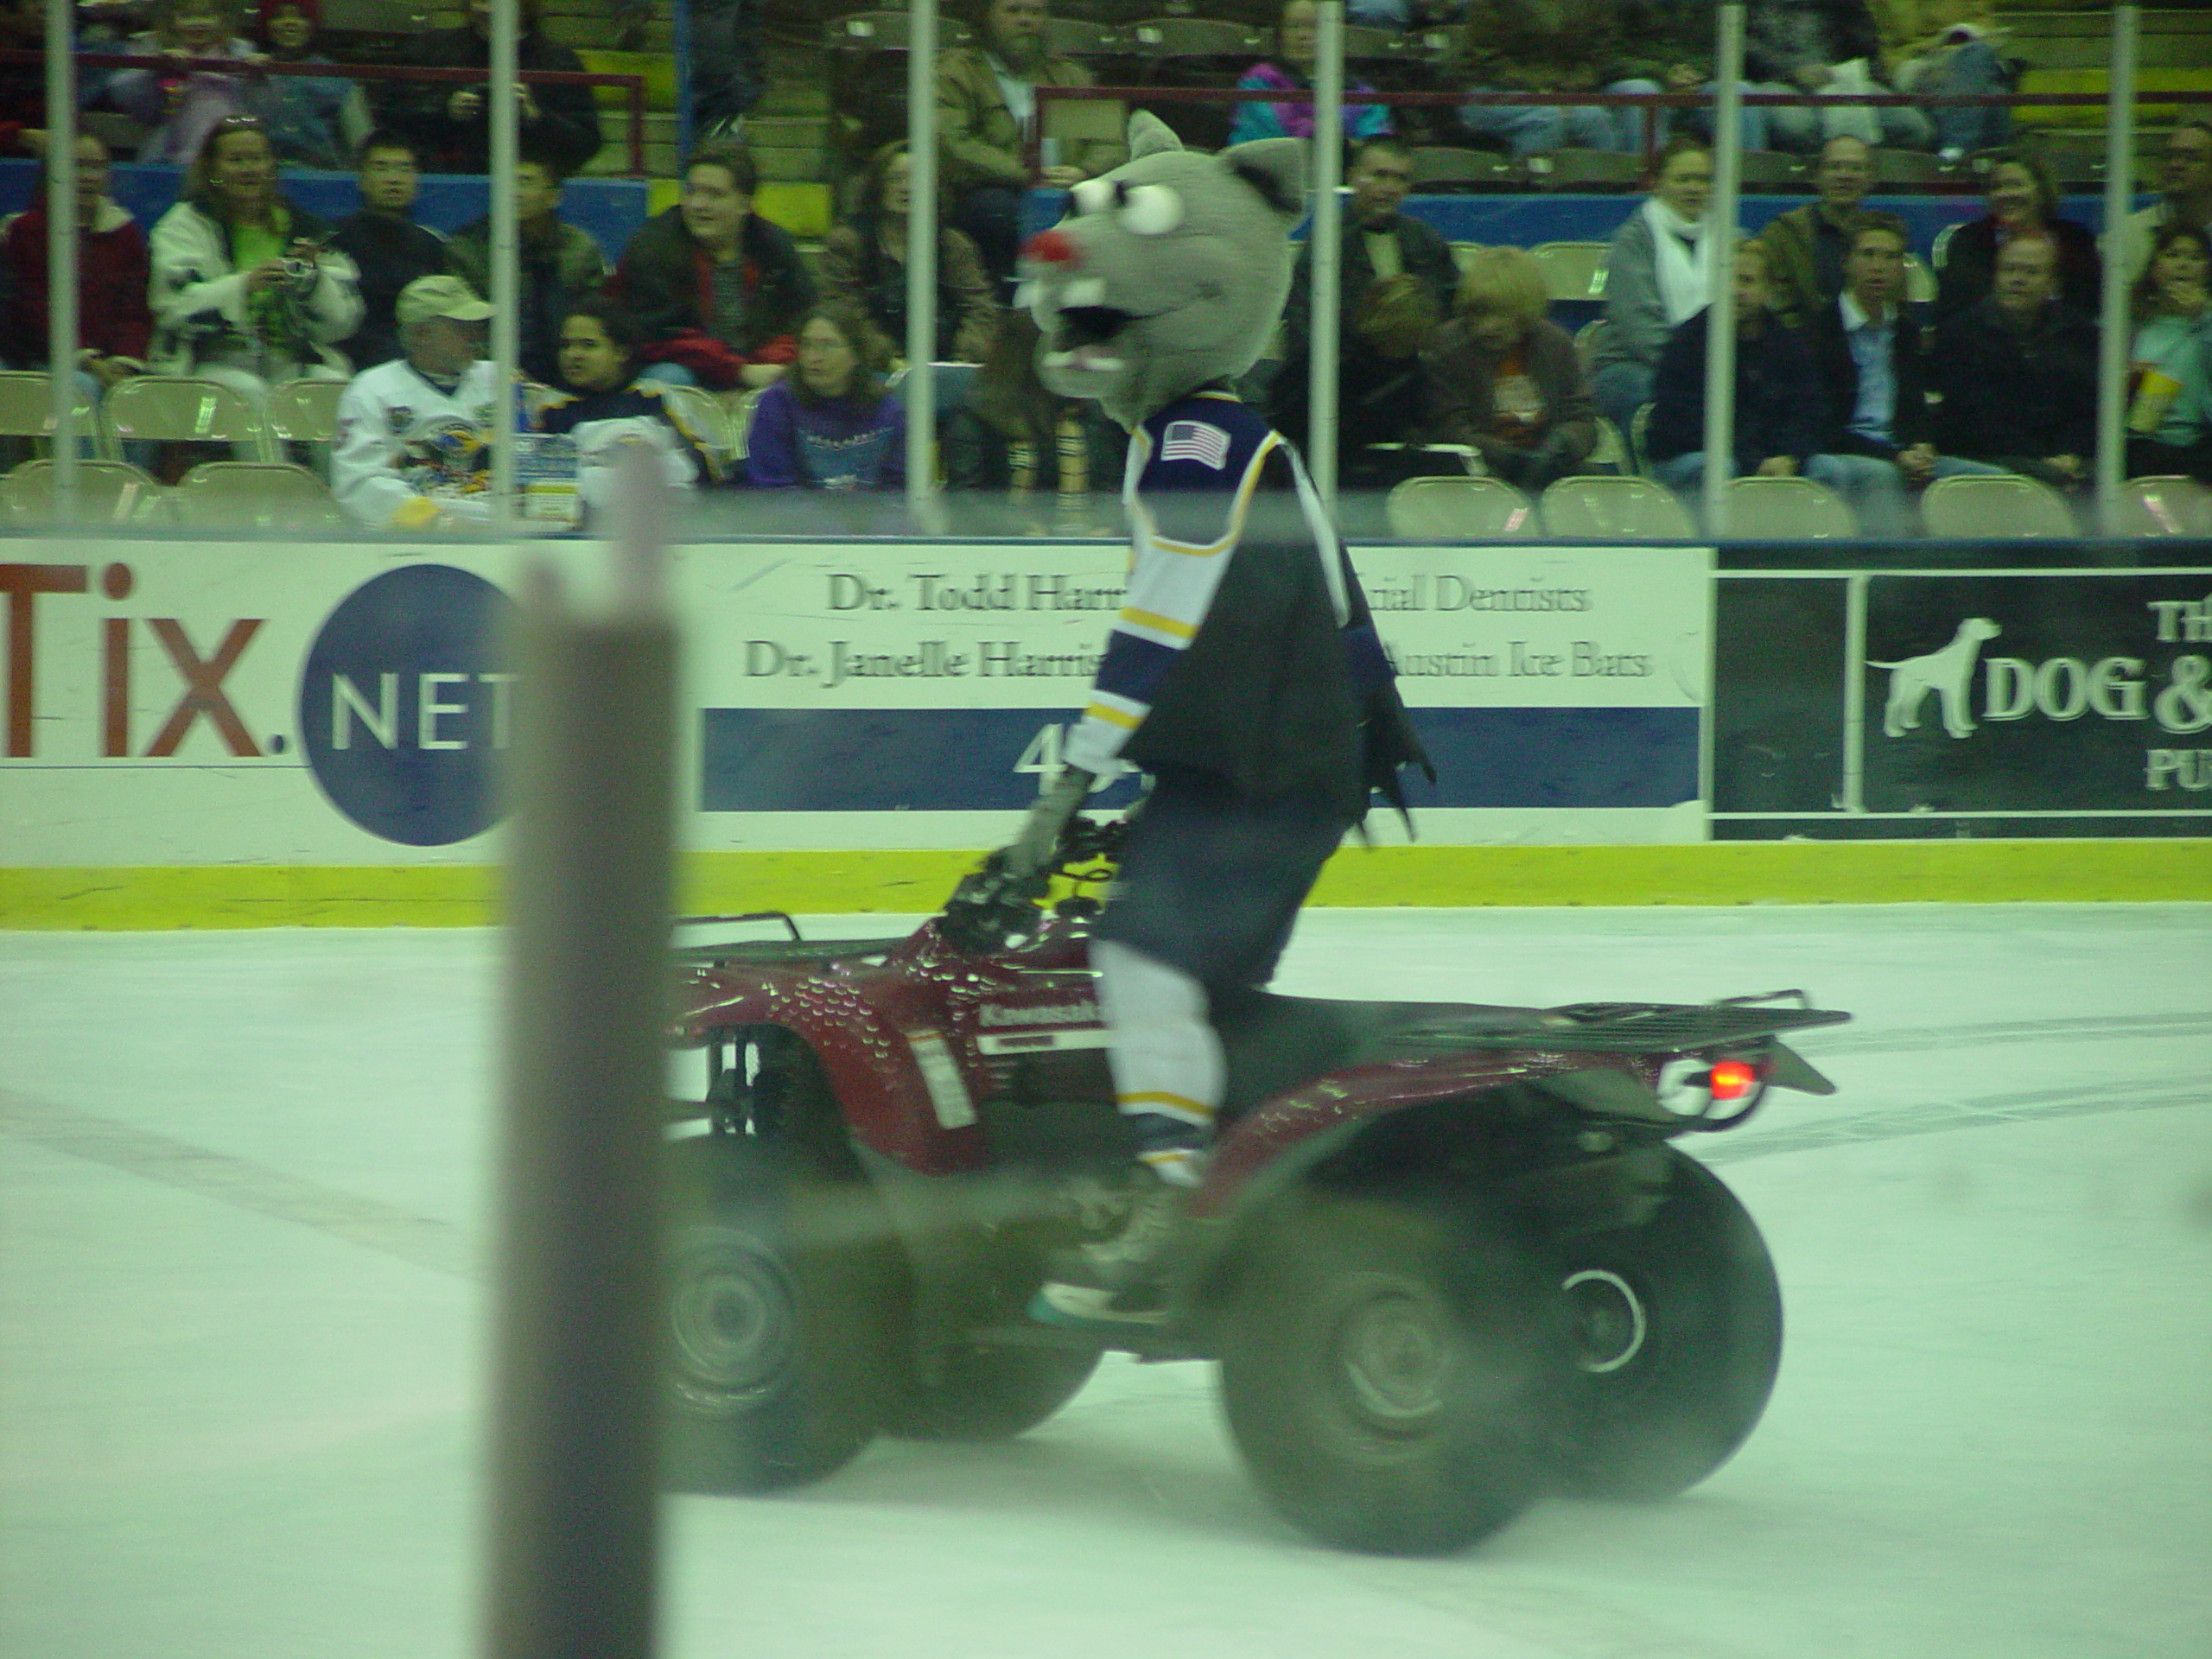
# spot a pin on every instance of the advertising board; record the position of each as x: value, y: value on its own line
x: 175, y: 703
x: 2000, y: 702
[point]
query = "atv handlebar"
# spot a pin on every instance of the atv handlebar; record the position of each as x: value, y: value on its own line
x: 993, y: 906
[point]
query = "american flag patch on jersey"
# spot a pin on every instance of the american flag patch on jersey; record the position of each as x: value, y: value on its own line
x: 1195, y: 441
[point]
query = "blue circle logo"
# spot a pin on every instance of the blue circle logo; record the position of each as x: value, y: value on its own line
x: 405, y: 709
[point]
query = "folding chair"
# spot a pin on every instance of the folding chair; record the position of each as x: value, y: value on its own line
x: 255, y: 495
x: 1572, y: 270
x: 1590, y: 170
x: 1991, y: 508
x: 27, y: 408
x: 1588, y: 339
x: 1459, y: 509
x: 2164, y: 506
x: 1610, y: 458
x: 741, y: 409
x: 1078, y: 37
x: 1771, y: 169
x: 704, y: 416
x: 111, y: 492
x: 1915, y: 168
x: 1445, y: 167
x: 1615, y: 509
x: 1788, y: 509
x: 306, y: 412
x: 181, y: 409
x: 1639, y: 426
x: 1919, y: 281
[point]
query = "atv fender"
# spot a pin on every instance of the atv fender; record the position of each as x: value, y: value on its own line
x: 900, y: 1084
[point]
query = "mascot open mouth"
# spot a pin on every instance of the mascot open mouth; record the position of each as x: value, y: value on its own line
x: 1082, y: 337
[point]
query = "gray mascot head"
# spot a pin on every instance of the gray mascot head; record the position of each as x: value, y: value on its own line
x: 1168, y: 272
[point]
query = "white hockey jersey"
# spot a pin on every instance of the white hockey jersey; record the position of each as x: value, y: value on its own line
x: 407, y: 450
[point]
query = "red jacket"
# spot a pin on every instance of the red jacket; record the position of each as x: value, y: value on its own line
x: 114, y: 274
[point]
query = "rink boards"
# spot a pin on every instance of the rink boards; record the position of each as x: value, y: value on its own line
x: 203, y: 732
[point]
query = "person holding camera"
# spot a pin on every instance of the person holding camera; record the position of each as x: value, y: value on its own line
x: 246, y: 290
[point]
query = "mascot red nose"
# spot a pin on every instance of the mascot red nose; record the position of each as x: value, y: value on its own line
x: 1050, y: 248
x: 1243, y: 674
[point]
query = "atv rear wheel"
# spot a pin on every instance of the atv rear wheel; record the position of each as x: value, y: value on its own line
x: 774, y: 1345
x: 1678, y: 1336
x: 1381, y: 1371
x: 991, y: 1393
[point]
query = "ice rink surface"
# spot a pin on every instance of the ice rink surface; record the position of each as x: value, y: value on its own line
x: 242, y: 1184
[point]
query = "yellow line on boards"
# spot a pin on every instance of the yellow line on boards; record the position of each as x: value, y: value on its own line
x: 911, y: 882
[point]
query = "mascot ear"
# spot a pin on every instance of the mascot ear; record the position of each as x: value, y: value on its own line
x: 1150, y: 135
x: 1276, y: 169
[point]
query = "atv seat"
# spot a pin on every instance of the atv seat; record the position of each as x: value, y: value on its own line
x: 1273, y: 1044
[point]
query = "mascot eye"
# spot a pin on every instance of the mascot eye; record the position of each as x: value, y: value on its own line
x: 1093, y: 196
x: 1152, y: 209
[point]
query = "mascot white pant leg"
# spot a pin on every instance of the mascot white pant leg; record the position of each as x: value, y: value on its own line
x: 1166, y: 1060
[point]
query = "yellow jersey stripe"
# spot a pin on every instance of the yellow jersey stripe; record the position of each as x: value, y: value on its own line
x: 1159, y: 623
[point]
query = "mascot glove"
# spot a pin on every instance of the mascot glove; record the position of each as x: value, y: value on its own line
x: 1035, y: 848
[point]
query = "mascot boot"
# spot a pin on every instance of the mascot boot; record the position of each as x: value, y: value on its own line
x: 1242, y: 673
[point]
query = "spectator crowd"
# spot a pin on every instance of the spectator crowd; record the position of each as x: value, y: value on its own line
x: 1451, y: 362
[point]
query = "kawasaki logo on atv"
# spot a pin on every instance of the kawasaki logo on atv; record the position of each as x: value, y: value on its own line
x: 1041, y: 1013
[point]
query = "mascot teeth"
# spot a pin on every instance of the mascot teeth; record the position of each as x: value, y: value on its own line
x: 1083, y: 291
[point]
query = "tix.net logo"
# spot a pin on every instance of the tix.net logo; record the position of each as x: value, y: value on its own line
x: 404, y: 708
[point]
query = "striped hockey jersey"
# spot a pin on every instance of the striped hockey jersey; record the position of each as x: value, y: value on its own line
x: 1194, y: 494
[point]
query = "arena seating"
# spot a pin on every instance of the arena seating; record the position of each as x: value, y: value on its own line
x: 1460, y: 509
x: 1995, y: 508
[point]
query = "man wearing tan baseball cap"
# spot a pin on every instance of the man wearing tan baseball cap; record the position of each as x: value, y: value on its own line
x: 440, y: 297
x: 414, y: 449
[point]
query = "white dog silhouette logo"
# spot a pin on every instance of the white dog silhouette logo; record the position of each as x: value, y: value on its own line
x: 1948, y: 672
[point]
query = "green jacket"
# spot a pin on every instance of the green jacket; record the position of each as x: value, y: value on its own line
x: 1793, y: 265
x: 977, y: 135
x: 577, y: 262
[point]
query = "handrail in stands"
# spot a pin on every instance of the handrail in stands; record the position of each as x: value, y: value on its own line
x: 246, y: 68
x: 1649, y: 102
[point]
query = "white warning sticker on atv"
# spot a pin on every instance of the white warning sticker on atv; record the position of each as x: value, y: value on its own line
x: 1041, y: 1042
x: 948, y: 1096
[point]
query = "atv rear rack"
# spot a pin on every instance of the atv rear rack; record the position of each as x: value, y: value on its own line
x: 1626, y: 1028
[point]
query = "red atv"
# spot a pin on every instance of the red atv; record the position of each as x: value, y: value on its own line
x: 1444, y: 1252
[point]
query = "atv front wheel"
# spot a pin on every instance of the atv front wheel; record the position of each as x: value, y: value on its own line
x: 991, y: 1393
x: 1678, y: 1336
x: 1382, y: 1369
x: 774, y: 1347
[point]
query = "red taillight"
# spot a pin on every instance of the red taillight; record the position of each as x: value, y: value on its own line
x: 1733, y: 1079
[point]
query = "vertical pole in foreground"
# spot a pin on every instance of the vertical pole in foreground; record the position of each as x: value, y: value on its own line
x: 920, y: 391
x: 61, y: 252
x: 1326, y: 234
x: 1720, y: 240
x: 589, y: 881
x: 2115, y: 335
x: 501, y: 97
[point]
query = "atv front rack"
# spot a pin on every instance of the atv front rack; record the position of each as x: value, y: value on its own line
x: 796, y: 947
x: 1624, y: 1028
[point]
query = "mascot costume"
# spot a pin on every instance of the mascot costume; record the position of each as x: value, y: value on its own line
x: 1243, y: 673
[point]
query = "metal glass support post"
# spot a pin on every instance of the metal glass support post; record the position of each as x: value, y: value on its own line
x: 1720, y: 240
x: 506, y: 294
x: 589, y: 894
x: 920, y: 389
x: 680, y: 46
x: 1325, y: 245
x: 62, y: 252
x: 2116, y: 335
